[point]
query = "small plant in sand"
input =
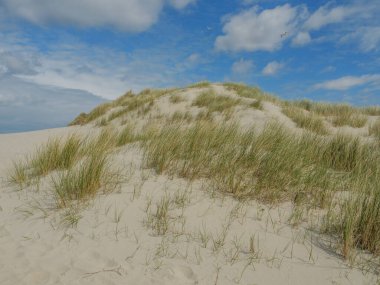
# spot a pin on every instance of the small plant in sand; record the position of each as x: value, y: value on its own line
x: 159, y: 220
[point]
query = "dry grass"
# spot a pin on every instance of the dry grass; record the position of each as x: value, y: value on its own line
x: 84, y: 181
x: 374, y: 129
x: 251, y: 92
x: 371, y: 111
x: 214, y: 102
x: 306, y: 120
x: 272, y: 166
x: 276, y: 165
x: 176, y: 99
x: 258, y: 104
x: 97, y: 112
x: 340, y: 114
x: 201, y: 84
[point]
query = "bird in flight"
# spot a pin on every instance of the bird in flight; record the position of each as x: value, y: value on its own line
x: 284, y: 34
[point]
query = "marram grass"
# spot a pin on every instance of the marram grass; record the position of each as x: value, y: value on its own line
x: 306, y: 120
x: 272, y: 166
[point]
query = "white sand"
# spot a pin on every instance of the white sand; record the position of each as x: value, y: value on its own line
x: 112, y: 245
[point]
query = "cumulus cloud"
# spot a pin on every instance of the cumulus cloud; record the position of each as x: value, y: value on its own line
x: 253, y: 30
x: 272, y: 68
x: 242, y: 66
x: 326, y: 15
x: 301, y: 39
x: 347, y: 82
x: 127, y: 15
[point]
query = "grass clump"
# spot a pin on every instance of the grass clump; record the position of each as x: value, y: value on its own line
x: 83, y: 181
x: 341, y: 114
x: 355, y: 120
x: 180, y: 117
x: 18, y: 174
x: 56, y: 155
x: 371, y: 111
x: 257, y: 105
x: 250, y: 92
x: 306, y: 120
x: 215, y: 103
x: 374, y: 129
x: 97, y: 112
x: 176, y: 99
x: 53, y: 155
x: 262, y: 166
x: 201, y: 84
x: 276, y: 165
x: 127, y: 135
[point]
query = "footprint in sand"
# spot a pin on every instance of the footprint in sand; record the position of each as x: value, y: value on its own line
x: 181, y: 274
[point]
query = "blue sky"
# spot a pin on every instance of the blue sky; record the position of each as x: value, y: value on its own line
x: 322, y: 50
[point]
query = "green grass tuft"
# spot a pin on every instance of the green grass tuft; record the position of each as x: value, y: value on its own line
x: 83, y: 181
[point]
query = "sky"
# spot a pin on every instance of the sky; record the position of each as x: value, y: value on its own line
x: 59, y: 58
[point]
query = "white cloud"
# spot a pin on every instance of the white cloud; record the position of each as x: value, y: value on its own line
x: 301, y: 39
x: 272, y: 68
x: 252, y: 30
x: 326, y: 15
x: 242, y: 66
x: 348, y: 82
x: 127, y: 15
x: 180, y: 4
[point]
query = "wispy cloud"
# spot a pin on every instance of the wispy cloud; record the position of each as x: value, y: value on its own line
x: 347, y: 82
x: 326, y: 15
x: 272, y: 68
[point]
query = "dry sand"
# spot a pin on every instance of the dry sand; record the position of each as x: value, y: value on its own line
x: 211, y: 239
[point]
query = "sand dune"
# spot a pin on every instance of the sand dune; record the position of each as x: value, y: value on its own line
x: 212, y: 238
